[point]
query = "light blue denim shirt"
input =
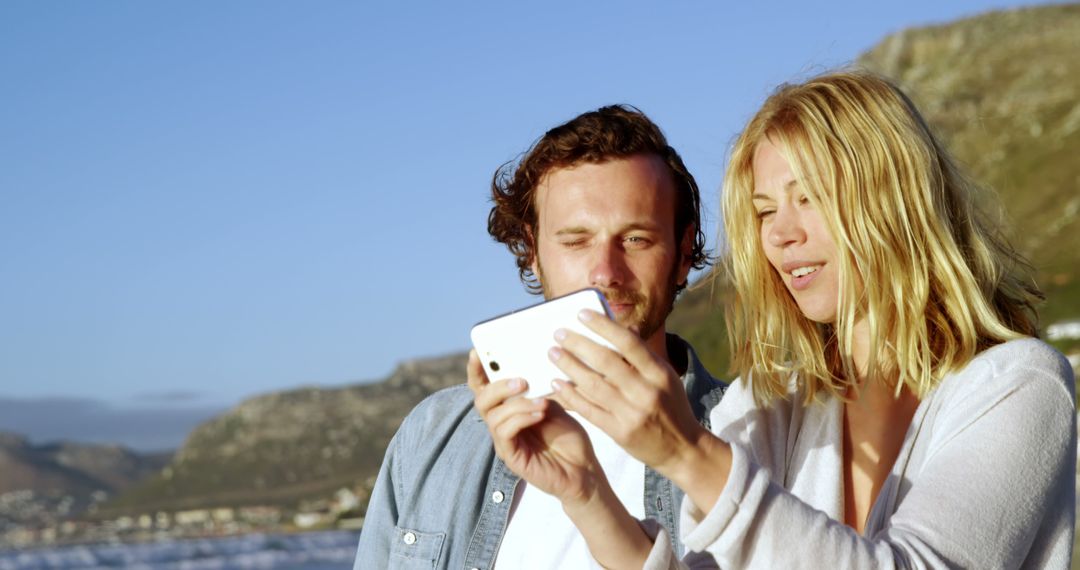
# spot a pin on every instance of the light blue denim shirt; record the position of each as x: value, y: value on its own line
x: 442, y: 499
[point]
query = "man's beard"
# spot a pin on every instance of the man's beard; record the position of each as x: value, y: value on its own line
x: 647, y: 316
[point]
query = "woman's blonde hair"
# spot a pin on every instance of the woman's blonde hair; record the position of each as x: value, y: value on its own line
x: 934, y: 279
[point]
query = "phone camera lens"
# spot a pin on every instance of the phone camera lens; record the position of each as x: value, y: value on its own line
x: 494, y: 366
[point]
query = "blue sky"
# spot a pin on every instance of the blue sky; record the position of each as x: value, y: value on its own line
x: 203, y: 201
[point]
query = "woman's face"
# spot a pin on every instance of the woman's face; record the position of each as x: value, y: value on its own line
x: 794, y: 236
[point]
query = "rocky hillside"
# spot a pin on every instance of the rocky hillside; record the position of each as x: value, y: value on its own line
x: 1003, y: 91
x: 287, y: 446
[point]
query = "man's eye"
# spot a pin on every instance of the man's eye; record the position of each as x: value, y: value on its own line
x: 573, y: 243
x: 637, y: 241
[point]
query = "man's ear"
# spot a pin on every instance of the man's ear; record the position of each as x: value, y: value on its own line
x: 686, y: 252
x: 530, y: 241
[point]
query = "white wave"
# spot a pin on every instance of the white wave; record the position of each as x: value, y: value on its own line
x: 332, y: 550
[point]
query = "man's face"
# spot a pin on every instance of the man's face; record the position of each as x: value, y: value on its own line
x: 611, y: 226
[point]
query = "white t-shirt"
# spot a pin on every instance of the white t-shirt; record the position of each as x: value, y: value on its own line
x: 539, y: 534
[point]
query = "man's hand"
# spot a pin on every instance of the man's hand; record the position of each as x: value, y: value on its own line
x: 536, y: 439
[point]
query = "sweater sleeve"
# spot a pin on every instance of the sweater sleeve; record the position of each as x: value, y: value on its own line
x: 995, y: 490
x: 661, y: 557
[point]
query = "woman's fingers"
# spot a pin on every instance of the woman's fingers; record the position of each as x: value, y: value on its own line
x: 602, y: 359
x: 631, y: 395
x: 627, y: 344
x: 570, y: 398
x: 597, y: 388
x: 600, y: 373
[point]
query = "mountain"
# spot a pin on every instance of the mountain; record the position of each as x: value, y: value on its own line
x: 71, y: 468
x: 287, y: 446
x: 1003, y: 92
x: 40, y: 484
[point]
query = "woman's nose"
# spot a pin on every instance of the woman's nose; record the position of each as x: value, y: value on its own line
x: 786, y: 227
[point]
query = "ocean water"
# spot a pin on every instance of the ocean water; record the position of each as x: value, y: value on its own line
x: 330, y: 550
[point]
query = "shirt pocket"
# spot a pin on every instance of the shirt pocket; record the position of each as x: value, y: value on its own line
x: 416, y: 550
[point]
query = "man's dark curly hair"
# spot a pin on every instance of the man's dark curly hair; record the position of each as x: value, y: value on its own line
x: 612, y: 132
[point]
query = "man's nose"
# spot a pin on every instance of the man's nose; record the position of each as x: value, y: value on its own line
x: 608, y: 265
x: 786, y: 227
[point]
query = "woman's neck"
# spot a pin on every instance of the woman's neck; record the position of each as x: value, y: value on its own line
x: 860, y: 350
x: 876, y: 418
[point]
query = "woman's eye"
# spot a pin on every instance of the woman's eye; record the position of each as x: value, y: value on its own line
x: 765, y: 213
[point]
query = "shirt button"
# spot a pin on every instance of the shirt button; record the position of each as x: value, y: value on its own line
x: 498, y: 497
x: 409, y: 538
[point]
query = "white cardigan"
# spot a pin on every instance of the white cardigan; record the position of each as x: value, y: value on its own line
x: 985, y: 478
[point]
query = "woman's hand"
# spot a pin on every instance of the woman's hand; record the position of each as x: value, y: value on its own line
x: 536, y: 439
x: 539, y: 441
x: 632, y: 395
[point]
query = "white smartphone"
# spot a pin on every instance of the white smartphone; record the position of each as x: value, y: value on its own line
x: 515, y: 345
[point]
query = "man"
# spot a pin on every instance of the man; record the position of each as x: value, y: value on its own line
x: 601, y: 201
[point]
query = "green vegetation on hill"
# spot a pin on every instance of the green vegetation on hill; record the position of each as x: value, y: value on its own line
x: 699, y: 318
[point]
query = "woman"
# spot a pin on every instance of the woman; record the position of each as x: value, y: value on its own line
x: 893, y: 409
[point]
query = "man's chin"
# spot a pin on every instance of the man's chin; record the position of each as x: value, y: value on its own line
x: 631, y: 320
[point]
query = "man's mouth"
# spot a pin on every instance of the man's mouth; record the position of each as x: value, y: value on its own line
x: 620, y: 303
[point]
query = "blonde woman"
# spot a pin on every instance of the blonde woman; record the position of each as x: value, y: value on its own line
x: 893, y: 409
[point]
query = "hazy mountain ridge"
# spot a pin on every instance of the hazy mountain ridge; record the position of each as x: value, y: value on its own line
x: 71, y: 468
x: 41, y: 484
x: 285, y: 446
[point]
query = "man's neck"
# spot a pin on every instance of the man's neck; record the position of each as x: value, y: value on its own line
x: 657, y: 344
